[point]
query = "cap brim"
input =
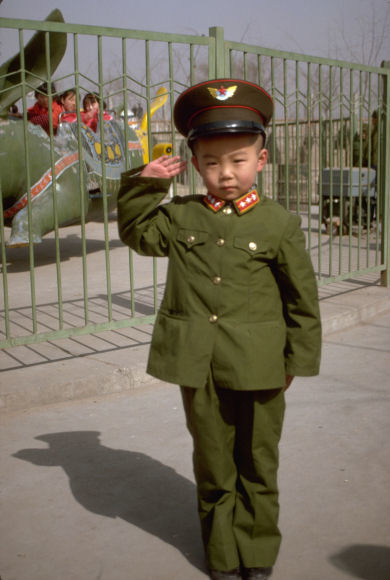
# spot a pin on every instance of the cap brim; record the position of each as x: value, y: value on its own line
x: 222, y: 127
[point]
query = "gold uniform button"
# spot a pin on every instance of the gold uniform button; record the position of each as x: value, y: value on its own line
x: 213, y: 318
x: 227, y: 210
x: 220, y: 242
x: 191, y: 239
x: 217, y: 280
x: 252, y: 246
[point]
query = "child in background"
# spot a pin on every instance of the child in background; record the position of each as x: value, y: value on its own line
x: 69, y: 106
x: 38, y: 114
x: 90, y: 115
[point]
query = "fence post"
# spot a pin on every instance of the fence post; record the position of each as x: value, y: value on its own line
x: 385, y: 176
x: 217, y: 57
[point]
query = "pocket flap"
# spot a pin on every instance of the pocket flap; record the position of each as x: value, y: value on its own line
x: 251, y: 244
x: 191, y: 237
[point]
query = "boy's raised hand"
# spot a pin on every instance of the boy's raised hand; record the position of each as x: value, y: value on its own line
x: 164, y: 167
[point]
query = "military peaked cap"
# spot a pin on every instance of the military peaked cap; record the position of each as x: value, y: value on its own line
x: 222, y: 106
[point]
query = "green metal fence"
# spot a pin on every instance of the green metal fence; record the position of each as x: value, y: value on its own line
x: 329, y: 161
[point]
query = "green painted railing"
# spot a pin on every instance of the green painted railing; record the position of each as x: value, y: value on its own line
x: 328, y: 161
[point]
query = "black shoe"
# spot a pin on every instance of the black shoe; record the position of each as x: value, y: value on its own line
x: 257, y: 573
x: 230, y: 575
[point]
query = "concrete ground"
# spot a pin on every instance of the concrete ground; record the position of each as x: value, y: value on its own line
x: 115, y: 361
x: 96, y: 475
x: 102, y: 487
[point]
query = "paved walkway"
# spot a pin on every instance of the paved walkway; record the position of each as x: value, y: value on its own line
x: 97, y: 478
x: 115, y: 361
x: 102, y: 488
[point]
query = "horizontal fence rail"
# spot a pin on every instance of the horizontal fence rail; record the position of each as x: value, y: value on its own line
x: 64, y: 271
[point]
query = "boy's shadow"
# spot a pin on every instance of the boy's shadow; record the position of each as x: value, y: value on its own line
x: 368, y: 562
x: 125, y: 484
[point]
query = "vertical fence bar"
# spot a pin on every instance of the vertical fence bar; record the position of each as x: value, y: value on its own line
x: 171, y: 97
x: 309, y: 158
x: 350, y: 198
x: 385, y: 173
x: 28, y: 185
x: 378, y: 193
x: 259, y: 70
x: 127, y: 164
x: 54, y: 188
x: 369, y: 172
x: 320, y: 181
x: 148, y: 98
x: 220, y: 68
x: 4, y: 268
x: 297, y: 142
x: 82, y: 184
x: 286, y: 135
x: 340, y: 141
x: 104, y: 179
x: 125, y: 102
x: 360, y: 204
x: 331, y: 167
x: 245, y: 57
x: 274, y: 142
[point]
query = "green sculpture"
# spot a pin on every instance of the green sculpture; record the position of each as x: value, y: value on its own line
x: 63, y: 184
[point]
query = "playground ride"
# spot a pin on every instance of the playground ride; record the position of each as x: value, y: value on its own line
x: 57, y: 182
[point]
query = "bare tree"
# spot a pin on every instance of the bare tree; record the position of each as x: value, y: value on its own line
x: 370, y: 45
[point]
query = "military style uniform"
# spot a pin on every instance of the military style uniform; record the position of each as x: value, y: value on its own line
x: 240, y: 305
x: 240, y: 293
x: 239, y: 312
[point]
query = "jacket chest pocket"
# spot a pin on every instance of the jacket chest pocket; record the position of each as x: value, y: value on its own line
x: 191, y: 238
x: 258, y: 249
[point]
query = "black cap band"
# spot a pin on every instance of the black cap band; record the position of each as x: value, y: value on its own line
x: 220, y: 127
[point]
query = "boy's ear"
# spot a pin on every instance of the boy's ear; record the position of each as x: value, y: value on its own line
x: 195, y: 163
x: 262, y: 159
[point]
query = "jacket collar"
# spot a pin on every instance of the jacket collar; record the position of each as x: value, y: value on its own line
x: 241, y: 205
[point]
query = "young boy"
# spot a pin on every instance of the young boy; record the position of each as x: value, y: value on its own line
x: 239, y: 318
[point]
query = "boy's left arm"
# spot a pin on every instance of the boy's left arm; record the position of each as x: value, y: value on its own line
x: 299, y: 292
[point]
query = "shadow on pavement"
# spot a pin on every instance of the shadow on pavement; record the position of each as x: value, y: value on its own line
x: 125, y: 484
x: 364, y: 561
x: 18, y: 259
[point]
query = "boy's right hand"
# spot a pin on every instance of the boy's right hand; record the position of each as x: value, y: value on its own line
x: 164, y: 167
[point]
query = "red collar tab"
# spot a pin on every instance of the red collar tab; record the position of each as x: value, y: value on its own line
x: 246, y: 202
x: 242, y: 204
x: 213, y: 202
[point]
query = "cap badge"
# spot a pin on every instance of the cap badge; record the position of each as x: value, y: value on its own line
x: 223, y: 93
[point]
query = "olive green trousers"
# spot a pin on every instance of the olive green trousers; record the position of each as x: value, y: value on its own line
x: 236, y: 436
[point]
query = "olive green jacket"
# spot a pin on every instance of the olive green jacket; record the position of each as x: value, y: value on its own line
x: 240, y: 297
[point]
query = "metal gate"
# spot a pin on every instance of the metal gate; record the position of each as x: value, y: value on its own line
x: 66, y: 273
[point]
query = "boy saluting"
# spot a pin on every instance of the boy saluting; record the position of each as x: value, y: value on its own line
x: 239, y: 318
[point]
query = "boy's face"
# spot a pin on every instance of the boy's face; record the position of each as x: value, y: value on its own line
x: 229, y: 164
